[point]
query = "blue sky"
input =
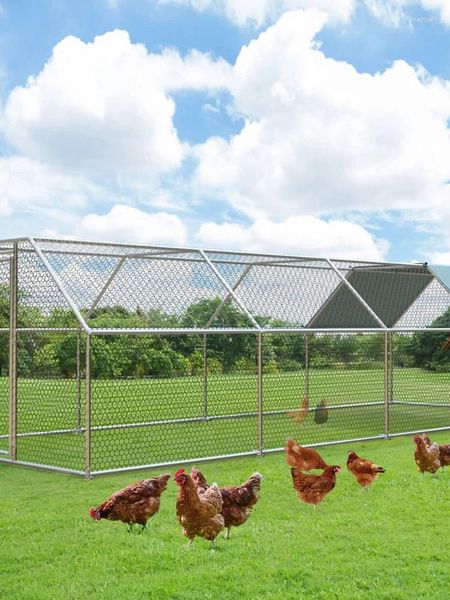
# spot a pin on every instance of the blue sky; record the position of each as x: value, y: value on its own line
x: 229, y: 124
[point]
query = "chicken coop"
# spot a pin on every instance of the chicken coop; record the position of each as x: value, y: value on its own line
x: 117, y: 357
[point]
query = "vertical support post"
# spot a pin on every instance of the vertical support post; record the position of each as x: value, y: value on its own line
x: 260, y: 395
x: 12, y: 412
x: 387, y: 380
x: 87, y: 446
x: 78, y: 415
x: 391, y: 375
x: 205, y: 379
x: 307, y: 366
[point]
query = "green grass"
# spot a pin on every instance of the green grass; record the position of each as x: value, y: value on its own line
x: 46, y: 405
x: 389, y: 542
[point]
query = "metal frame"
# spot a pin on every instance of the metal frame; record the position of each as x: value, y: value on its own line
x: 211, y: 258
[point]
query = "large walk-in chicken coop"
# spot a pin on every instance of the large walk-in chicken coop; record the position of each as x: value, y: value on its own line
x: 116, y: 357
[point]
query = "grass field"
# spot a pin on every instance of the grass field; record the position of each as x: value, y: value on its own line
x: 389, y: 542
x: 49, y: 405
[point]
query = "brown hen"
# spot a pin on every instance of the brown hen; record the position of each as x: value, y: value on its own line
x: 237, y: 500
x: 444, y: 450
x: 312, y: 489
x: 427, y: 457
x: 300, y: 415
x: 135, y: 504
x: 365, y: 471
x: 304, y: 459
x: 198, y: 514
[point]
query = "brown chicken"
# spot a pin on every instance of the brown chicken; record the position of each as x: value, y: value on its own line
x: 237, y: 500
x: 300, y: 415
x: 365, y: 471
x: 198, y: 513
x: 444, y: 450
x: 446, y: 344
x: 312, y: 489
x: 135, y: 504
x: 427, y: 458
x: 304, y: 459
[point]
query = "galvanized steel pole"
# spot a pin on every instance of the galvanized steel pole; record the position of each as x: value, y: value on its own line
x: 87, y: 446
x: 78, y: 416
x: 387, y: 381
x: 12, y: 419
x: 205, y: 379
x: 307, y: 366
x: 260, y: 395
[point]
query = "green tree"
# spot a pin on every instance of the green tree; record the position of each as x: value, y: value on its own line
x: 426, y: 348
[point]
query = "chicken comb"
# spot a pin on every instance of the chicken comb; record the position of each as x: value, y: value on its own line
x: 179, y: 472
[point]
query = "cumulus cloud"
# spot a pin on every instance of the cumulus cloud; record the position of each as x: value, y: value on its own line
x: 128, y: 224
x: 322, y: 138
x: 104, y: 107
x: 440, y: 258
x: 32, y: 186
x: 299, y: 235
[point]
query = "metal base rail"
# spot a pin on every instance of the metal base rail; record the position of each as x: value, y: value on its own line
x: 267, y: 413
x: 202, y: 459
x: 22, y: 463
x: 429, y: 404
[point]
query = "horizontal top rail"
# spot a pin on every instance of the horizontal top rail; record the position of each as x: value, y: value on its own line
x: 196, y: 249
x: 269, y: 330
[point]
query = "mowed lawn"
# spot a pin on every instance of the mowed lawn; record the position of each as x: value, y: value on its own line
x: 390, y: 541
x: 421, y: 401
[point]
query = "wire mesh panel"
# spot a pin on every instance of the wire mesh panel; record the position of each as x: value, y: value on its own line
x: 50, y: 400
x: 40, y: 302
x: 421, y: 382
x: 130, y: 355
x: 161, y: 402
x: 340, y: 395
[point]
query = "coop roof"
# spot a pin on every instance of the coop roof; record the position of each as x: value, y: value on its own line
x: 269, y: 292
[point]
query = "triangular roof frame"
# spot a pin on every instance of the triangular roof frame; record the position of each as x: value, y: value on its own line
x: 347, y: 282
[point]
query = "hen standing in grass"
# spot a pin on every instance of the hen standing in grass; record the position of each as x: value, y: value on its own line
x: 134, y: 504
x: 304, y: 459
x: 427, y: 457
x: 444, y: 450
x: 313, y: 488
x: 198, y: 514
x: 365, y: 471
x: 237, y: 500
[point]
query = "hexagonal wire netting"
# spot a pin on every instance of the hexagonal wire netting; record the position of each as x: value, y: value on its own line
x: 116, y: 357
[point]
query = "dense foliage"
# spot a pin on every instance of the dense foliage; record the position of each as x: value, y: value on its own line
x: 427, y: 349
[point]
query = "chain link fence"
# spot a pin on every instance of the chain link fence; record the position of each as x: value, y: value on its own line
x: 117, y: 357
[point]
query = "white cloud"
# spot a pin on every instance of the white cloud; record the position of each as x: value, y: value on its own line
x: 322, y: 138
x: 442, y: 6
x: 104, y: 107
x: 440, y: 258
x: 299, y: 235
x: 394, y: 12
x: 31, y: 186
x: 128, y: 224
x: 259, y: 12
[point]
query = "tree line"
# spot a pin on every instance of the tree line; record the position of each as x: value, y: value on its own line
x: 55, y: 354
